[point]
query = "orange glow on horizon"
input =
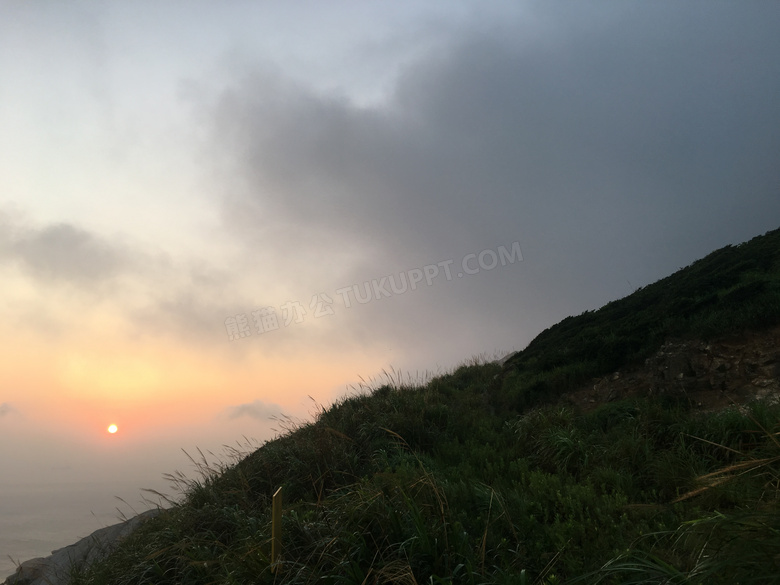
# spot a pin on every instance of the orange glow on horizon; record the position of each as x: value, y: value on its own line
x: 164, y: 390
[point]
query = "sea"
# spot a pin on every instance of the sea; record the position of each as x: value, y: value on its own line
x: 38, y: 518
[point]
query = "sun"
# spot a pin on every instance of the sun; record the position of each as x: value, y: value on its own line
x: 112, y: 429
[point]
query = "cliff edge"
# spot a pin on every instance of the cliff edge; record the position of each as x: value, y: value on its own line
x: 56, y: 568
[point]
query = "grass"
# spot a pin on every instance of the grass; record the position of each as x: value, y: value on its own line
x: 549, y: 495
x: 733, y: 289
x: 740, y: 544
x: 478, y: 477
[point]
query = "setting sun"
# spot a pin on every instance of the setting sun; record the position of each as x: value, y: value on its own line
x: 112, y: 429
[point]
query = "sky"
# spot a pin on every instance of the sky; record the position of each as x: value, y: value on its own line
x: 218, y: 217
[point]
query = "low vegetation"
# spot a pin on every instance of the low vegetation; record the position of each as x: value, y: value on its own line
x: 479, y: 476
x: 730, y: 290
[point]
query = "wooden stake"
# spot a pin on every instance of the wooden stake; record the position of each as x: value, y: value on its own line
x: 276, y: 530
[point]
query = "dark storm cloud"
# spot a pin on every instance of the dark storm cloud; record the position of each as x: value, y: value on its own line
x: 650, y: 102
x: 621, y: 143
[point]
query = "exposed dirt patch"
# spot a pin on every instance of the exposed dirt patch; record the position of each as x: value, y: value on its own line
x: 710, y: 375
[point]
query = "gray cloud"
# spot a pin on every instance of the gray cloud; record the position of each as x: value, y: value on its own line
x: 616, y: 147
x: 182, y: 298
x: 190, y: 302
x: 62, y: 253
x: 6, y: 409
x: 633, y: 116
x: 256, y: 409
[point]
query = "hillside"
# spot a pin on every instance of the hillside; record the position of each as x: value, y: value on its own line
x: 732, y: 290
x: 606, y: 451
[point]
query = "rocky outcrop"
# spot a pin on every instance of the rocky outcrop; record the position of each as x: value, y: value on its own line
x: 56, y: 568
x: 506, y: 358
x: 710, y: 375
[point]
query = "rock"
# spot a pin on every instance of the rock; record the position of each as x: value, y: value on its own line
x: 506, y: 358
x: 55, y: 569
x: 712, y: 374
x: 763, y: 382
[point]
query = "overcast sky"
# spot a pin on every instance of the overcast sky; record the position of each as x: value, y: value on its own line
x: 213, y: 213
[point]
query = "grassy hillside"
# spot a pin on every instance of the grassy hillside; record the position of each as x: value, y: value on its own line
x: 732, y: 289
x: 479, y: 477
